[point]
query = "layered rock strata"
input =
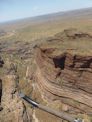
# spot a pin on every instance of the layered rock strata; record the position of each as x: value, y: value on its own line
x: 66, y: 76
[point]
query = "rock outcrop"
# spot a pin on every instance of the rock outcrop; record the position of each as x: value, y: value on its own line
x: 65, y: 74
x: 14, y: 110
x: 1, y: 65
x: 1, y: 62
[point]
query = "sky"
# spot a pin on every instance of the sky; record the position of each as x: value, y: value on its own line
x: 17, y: 9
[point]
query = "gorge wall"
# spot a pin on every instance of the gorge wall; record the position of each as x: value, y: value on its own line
x: 66, y: 74
x: 12, y: 109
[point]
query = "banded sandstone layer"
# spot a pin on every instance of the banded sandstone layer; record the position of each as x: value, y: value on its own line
x: 64, y: 70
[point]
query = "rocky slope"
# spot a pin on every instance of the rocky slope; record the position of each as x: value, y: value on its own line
x: 65, y: 72
x: 13, y: 108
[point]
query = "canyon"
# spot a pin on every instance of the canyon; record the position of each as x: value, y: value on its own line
x: 56, y: 72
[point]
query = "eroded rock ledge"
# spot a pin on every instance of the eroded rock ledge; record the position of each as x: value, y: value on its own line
x: 65, y: 74
x: 13, y: 108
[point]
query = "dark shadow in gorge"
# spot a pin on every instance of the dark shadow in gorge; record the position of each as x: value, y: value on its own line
x: 59, y: 62
x: 0, y: 90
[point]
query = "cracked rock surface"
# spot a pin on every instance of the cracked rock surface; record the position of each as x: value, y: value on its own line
x: 14, y: 110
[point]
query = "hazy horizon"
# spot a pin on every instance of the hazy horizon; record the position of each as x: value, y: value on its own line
x: 15, y: 10
x: 18, y: 19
